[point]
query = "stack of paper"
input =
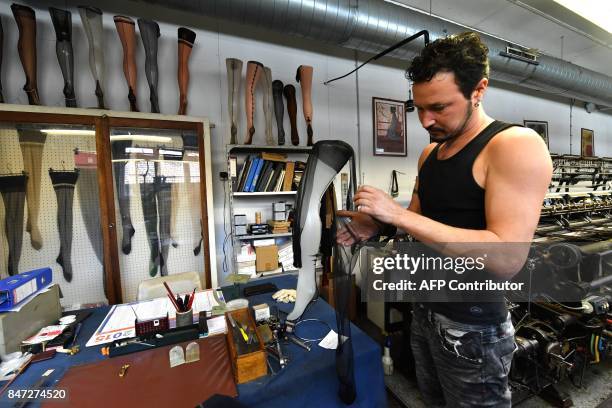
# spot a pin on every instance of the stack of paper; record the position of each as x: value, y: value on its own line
x: 285, y: 257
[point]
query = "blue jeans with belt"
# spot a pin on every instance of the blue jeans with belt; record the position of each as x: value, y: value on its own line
x: 461, y: 365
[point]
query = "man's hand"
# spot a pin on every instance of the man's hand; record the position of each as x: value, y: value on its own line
x: 360, y: 228
x: 378, y: 204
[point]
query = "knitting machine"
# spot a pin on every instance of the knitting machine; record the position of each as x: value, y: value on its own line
x: 566, y: 324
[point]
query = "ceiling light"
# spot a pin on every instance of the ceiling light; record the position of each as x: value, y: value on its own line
x: 69, y: 132
x: 597, y: 12
x: 142, y: 150
x: 142, y: 138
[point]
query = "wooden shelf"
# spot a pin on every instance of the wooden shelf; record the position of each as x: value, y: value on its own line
x: 262, y: 236
x: 256, y: 148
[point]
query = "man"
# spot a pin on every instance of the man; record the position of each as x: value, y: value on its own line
x: 480, y: 181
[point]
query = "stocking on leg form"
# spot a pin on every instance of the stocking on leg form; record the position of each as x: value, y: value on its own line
x: 63, y: 184
x: 343, y: 283
x: 289, y: 93
x: 193, y: 192
x: 89, y: 198
x: 26, y: 23
x: 186, y: 39
x: 304, y: 77
x: 149, y: 33
x: 32, y: 143
x: 149, y: 212
x: 91, y: 17
x: 254, y: 72
x: 234, y: 77
x: 267, y: 104
x: 326, y: 159
x: 13, y: 190
x: 175, y: 198
x: 164, y: 210
x: 62, y: 23
x: 279, y: 109
x: 192, y: 187
x: 1, y: 50
x: 123, y: 192
x: 127, y: 34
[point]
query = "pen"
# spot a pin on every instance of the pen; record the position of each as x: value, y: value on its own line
x: 179, y: 302
x: 171, y: 296
x: 186, y: 302
x: 76, y: 334
x: 192, y: 298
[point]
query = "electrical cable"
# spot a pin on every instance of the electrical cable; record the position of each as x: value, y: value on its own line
x: 310, y: 320
x: 423, y: 33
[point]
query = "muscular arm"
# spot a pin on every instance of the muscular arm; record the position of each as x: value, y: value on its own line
x: 518, y: 172
x: 415, y: 204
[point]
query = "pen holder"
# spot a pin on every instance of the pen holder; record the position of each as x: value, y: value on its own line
x: 184, y: 318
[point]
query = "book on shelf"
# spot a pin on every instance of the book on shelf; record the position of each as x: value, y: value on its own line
x: 288, y: 179
x: 256, y: 173
x: 298, y: 172
x: 279, y: 183
x: 267, y: 172
x: 251, y: 173
x: 244, y: 170
x: 278, y: 157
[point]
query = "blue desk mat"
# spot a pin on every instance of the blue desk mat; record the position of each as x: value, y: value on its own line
x: 309, y: 380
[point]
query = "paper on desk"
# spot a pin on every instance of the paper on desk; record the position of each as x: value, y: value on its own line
x: 119, y: 322
x: 45, y: 334
x: 216, y: 325
x: 331, y: 340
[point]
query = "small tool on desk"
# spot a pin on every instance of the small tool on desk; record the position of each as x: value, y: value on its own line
x: 235, y: 326
x: 123, y: 370
x: 297, y: 341
x: 76, y: 334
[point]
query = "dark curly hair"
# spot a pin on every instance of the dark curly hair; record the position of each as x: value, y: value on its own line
x: 463, y: 54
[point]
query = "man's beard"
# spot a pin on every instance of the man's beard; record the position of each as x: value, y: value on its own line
x: 456, y: 132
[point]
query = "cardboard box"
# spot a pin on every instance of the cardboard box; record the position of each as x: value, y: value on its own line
x: 267, y: 258
x: 249, y: 365
x: 42, y: 310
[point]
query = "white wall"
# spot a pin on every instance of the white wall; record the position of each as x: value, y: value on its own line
x: 335, y: 106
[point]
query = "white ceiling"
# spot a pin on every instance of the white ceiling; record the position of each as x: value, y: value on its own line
x: 509, y: 20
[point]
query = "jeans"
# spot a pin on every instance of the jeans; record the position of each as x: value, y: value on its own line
x: 461, y: 365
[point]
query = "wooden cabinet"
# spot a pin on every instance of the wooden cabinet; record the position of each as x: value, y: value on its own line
x: 109, y: 198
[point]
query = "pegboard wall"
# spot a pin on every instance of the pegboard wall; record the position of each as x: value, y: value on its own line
x: 87, y: 281
x: 58, y: 153
x: 185, y: 225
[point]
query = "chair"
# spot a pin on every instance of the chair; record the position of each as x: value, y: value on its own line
x: 179, y: 283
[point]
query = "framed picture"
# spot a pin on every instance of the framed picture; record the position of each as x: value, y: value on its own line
x: 389, y: 127
x: 586, y: 143
x: 540, y: 127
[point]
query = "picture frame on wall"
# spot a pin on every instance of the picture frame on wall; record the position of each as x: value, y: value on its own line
x: 540, y: 127
x: 389, y: 127
x: 587, y: 143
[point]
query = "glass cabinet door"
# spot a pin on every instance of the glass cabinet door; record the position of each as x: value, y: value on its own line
x: 50, y: 207
x: 156, y: 177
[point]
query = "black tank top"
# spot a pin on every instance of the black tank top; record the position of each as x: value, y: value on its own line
x: 449, y: 194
